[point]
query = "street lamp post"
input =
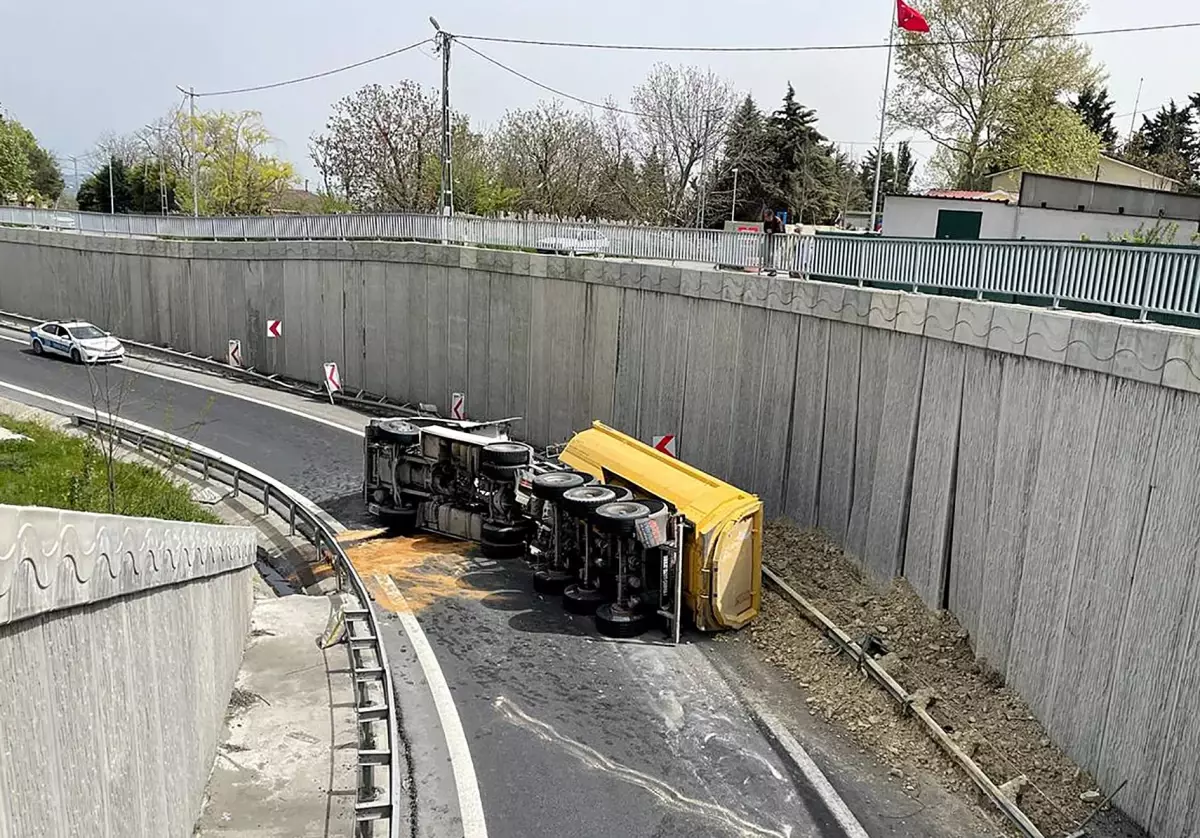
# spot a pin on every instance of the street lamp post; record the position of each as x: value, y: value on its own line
x: 733, y: 207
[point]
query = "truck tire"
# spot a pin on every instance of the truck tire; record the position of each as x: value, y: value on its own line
x: 504, y: 454
x: 493, y: 533
x: 502, y: 551
x: 551, y: 485
x: 580, y: 600
x: 498, y: 472
x: 619, y: 518
x: 552, y: 582
x: 583, y: 499
x: 402, y: 520
x: 398, y: 431
x: 654, y: 505
x: 614, y: 621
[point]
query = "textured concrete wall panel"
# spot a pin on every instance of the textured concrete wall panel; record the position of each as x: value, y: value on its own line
x: 872, y: 384
x: 116, y: 685
x: 772, y: 438
x: 1110, y: 533
x: 693, y: 431
x: 1155, y: 638
x: 973, y: 486
x: 894, y: 451
x: 745, y: 413
x: 926, y: 556
x: 1056, y: 502
x: 630, y: 340
x: 841, y: 417
x: 807, y: 421
x: 479, y: 346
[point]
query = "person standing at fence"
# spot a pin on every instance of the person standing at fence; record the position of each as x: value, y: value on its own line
x: 772, y: 226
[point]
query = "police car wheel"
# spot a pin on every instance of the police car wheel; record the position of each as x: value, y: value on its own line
x: 37, y: 347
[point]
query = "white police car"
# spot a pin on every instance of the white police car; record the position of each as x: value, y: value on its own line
x: 82, y: 342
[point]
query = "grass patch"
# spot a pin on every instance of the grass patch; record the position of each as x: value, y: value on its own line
x: 61, y: 471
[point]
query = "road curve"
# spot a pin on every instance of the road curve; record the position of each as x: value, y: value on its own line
x: 569, y: 734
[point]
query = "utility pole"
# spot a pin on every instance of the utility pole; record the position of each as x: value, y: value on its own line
x: 733, y: 208
x: 75, y: 163
x: 444, y: 40
x: 191, y: 94
x: 112, y: 201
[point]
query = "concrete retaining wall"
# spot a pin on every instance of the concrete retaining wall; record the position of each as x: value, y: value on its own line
x: 119, y: 642
x: 1031, y: 470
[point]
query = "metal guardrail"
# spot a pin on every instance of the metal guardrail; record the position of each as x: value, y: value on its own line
x: 1164, y: 280
x: 708, y: 247
x: 374, y: 694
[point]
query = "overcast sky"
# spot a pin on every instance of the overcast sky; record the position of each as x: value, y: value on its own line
x: 75, y: 69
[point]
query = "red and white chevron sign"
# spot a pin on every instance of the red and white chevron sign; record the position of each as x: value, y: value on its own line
x: 274, y: 328
x: 333, y: 381
x: 458, y: 406
x: 235, y: 353
x: 665, y: 444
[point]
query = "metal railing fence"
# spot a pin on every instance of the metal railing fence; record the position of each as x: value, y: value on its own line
x: 1138, y: 278
x: 374, y: 695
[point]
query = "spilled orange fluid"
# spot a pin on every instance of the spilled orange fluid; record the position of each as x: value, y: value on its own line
x: 425, y: 569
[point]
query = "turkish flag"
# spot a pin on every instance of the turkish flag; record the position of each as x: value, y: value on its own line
x: 910, y: 19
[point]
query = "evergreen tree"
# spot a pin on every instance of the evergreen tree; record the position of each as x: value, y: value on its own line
x: 747, y: 150
x: 1097, y: 111
x: 804, y: 169
x: 1167, y: 143
x: 94, y: 191
x: 895, y: 174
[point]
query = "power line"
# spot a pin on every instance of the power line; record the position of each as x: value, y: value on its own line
x: 617, y: 109
x: 547, y: 87
x: 825, y: 47
x: 322, y: 75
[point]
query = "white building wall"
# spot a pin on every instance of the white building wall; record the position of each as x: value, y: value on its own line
x: 909, y: 216
x: 1034, y: 223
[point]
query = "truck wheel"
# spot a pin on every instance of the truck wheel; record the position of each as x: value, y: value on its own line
x: 505, y: 454
x: 580, y: 600
x: 398, y: 431
x: 619, y: 518
x: 551, y: 485
x: 498, y: 472
x: 615, y: 621
x: 502, y: 551
x: 552, y: 582
x: 583, y: 499
x: 492, y: 533
x: 402, y: 520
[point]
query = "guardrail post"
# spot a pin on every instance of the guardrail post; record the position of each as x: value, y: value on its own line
x: 1056, y: 297
x: 206, y: 468
x: 266, y: 498
x: 291, y: 519
x: 236, y: 479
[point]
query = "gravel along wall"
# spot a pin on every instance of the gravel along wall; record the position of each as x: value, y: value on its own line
x: 1031, y: 470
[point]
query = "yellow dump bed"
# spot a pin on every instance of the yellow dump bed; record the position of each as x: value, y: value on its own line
x: 723, y: 555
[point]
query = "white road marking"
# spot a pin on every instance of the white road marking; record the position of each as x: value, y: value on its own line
x: 812, y: 772
x: 233, y: 395
x: 668, y: 795
x: 469, y: 802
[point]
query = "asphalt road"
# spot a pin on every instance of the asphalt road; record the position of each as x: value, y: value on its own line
x: 569, y: 734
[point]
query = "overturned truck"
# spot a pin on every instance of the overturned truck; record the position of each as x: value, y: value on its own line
x: 614, y: 527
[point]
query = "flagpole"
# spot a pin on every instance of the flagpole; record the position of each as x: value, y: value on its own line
x: 887, y: 77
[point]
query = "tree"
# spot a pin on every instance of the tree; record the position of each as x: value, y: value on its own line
x: 1046, y: 138
x: 552, y: 156
x: 236, y: 174
x: 806, y: 176
x: 377, y: 144
x: 969, y: 77
x: 1097, y: 111
x: 1168, y: 143
x: 683, y: 114
x: 16, y: 176
x: 747, y: 150
x: 94, y: 192
x: 895, y: 174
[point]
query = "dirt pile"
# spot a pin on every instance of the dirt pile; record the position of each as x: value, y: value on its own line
x: 927, y: 651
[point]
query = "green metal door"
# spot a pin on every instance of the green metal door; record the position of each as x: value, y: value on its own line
x: 957, y: 224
